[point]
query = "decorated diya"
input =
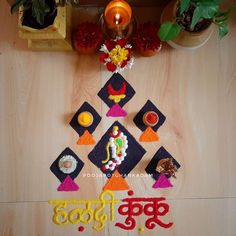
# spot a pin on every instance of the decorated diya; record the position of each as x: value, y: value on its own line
x: 85, y: 119
x: 84, y: 122
x: 150, y: 118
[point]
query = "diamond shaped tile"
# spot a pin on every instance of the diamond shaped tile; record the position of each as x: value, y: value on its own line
x: 127, y: 158
x: 149, y: 106
x: 61, y: 175
x: 116, y: 86
x: 96, y: 119
x: 152, y: 165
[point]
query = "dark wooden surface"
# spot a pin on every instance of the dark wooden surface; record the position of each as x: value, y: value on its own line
x: 132, y: 2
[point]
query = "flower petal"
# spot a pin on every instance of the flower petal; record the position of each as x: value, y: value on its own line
x: 111, y: 67
x: 121, y: 42
x: 124, y: 63
x: 102, y: 57
x: 110, y: 44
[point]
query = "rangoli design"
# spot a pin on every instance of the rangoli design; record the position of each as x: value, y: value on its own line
x: 114, y: 154
x: 84, y: 122
x: 93, y: 212
x: 162, y: 167
x: 66, y: 168
x: 149, y: 119
x: 116, y: 55
x: 116, y: 93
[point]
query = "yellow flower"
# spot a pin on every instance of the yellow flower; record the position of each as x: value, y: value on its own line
x: 118, y: 55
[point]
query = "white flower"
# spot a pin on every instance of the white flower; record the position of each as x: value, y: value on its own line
x: 128, y: 46
x: 72, y: 164
x: 104, y: 49
x: 110, y: 165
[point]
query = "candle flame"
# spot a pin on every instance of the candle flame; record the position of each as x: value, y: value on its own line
x: 117, y: 19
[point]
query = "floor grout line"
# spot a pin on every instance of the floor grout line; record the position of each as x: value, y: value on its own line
x: 168, y: 199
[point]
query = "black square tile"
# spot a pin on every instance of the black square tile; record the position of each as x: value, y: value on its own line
x: 116, y: 81
x: 55, y: 165
x: 160, y: 154
x: 134, y: 152
x: 96, y: 119
x: 149, y: 106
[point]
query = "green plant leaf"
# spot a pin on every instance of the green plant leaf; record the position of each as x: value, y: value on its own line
x: 15, y: 6
x: 168, y: 31
x: 196, y: 17
x: 223, y: 29
x: 209, y: 2
x: 203, y: 11
x: 222, y: 16
x: 184, y: 5
x: 208, y: 11
x: 39, y: 10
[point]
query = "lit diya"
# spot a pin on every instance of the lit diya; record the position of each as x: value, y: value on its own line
x: 117, y: 16
x: 85, y: 119
x: 150, y: 118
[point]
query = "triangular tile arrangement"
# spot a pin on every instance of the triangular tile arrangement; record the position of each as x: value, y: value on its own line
x: 116, y: 93
x: 86, y: 139
x: 116, y: 111
x: 162, y: 182
x: 116, y: 183
x: 68, y: 185
x: 149, y: 135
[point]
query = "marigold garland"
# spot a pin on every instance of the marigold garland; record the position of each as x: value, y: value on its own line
x: 87, y: 35
x: 146, y: 37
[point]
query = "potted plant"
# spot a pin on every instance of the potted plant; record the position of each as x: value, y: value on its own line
x: 146, y: 40
x: 45, y: 25
x: 87, y: 38
x: 188, y: 24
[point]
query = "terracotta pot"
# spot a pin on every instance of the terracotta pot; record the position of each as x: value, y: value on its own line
x: 89, y: 50
x: 185, y: 40
x: 10, y: 2
x: 148, y: 52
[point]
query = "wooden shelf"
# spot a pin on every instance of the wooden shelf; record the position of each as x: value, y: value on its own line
x: 96, y: 3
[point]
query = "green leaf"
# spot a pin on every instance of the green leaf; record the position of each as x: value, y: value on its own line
x: 196, y: 17
x: 168, y: 31
x: 209, y: 2
x: 15, y: 6
x: 203, y: 11
x: 184, y: 5
x: 208, y: 11
x: 39, y: 10
x: 223, y: 29
x: 222, y: 16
